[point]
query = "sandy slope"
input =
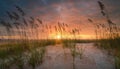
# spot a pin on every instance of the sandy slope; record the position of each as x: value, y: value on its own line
x: 58, y: 58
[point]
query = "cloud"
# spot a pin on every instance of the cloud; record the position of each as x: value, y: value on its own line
x: 72, y: 12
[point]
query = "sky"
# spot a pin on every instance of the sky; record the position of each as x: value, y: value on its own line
x: 72, y: 12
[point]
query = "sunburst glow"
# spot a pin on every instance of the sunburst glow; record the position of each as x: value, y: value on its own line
x: 58, y: 36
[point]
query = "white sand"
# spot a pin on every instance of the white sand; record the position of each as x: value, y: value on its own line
x: 93, y: 58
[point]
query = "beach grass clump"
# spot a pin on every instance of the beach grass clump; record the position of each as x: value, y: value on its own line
x: 7, y: 50
x: 5, y: 64
x: 18, y: 61
x: 117, y: 62
x: 80, y: 52
x: 12, y: 54
x: 109, y: 35
x: 36, y: 57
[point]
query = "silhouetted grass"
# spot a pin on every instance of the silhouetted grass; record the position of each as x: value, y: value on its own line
x: 36, y: 57
x: 110, y: 38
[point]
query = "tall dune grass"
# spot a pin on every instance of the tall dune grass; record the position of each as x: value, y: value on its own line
x: 25, y: 26
x: 109, y: 35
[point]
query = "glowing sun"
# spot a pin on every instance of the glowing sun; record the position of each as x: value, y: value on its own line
x: 58, y: 37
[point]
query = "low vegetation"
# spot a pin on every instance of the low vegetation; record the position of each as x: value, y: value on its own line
x: 13, y: 51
